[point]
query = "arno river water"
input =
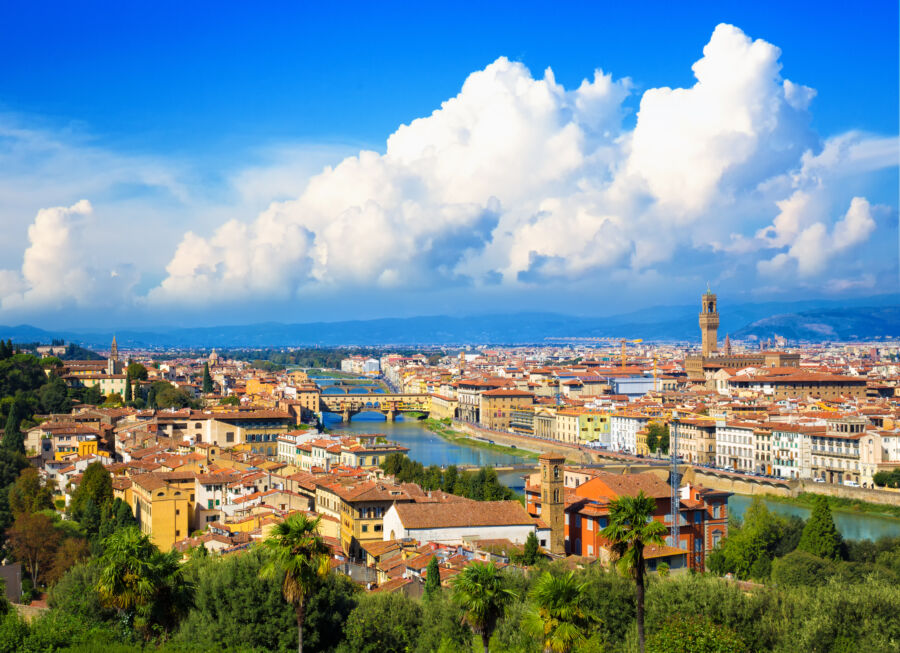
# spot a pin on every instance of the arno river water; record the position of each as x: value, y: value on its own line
x: 430, y: 449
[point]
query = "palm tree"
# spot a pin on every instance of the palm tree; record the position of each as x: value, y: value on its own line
x: 560, y: 616
x: 479, y: 590
x: 632, y: 527
x: 298, y: 551
x: 127, y: 570
x: 140, y: 581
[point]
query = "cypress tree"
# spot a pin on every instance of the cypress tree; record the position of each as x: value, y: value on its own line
x: 531, y: 553
x: 13, y: 439
x: 820, y: 535
x: 432, y: 578
x: 207, y: 379
x: 128, y: 395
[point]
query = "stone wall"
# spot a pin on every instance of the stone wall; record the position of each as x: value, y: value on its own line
x: 885, y: 497
x: 572, y: 454
x: 699, y: 476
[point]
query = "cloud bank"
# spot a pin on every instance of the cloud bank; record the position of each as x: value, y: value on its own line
x: 518, y: 182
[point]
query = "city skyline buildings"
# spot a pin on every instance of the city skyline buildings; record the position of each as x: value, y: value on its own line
x: 506, y: 187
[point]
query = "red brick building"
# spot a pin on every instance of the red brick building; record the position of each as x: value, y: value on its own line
x: 703, y: 515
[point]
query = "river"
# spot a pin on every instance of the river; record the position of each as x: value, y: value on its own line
x: 852, y: 525
x: 430, y: 449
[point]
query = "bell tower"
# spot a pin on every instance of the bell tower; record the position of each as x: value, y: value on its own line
x: 709, y: 323
x: 553, y: 500
x: 112, y: 363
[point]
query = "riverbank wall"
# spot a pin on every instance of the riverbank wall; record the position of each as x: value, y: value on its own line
x: 572, y: 454
x: 789, y: 489
x: 738, y: 484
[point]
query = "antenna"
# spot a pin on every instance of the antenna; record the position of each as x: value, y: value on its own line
x: 673, y: 481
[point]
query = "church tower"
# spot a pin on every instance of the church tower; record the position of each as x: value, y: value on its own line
x: 553, y: 500
x: 112, y: 363
x: 709, y: 323
x: 727, y: 345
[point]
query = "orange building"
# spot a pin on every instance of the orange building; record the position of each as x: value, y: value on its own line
x: 703, y: 516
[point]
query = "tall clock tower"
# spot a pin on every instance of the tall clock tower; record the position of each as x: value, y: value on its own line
x: 709, y: 323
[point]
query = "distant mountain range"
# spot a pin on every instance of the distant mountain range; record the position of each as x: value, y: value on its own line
x: 813, y: 320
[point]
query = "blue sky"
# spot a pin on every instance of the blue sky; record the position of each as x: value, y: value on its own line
x: 173, y: 122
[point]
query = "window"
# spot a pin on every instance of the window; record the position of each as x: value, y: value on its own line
x: 209, y: 504
x: 229, y: 436
x: 365, y: 528
x: 590, y: 524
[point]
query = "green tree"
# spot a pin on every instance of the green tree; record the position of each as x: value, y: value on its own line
x: 748, y: 550
x: 207, y: 379
x: 631, y: 528
x: 54, y: 396
x: 480, y: 591
x: 34, y: 541
x: 11, y: 465
x: 76, y: 594
x: 128, y: 394
x: 29, y: 493
x: 801, y: 569
x: 432, y: 578
x: 136, y: 371
x: 560, y: 616
x: 450, y: 477
x: 230, y: 400
x: 694, y: 634
x: 658, y: 435
x: 95, y: 487
x: 13, y: 438
x: 142, y: 583
x: 820, y: 536
x: 531, y: 554
x: 299, y: 553
x: 169, y: 396
x: 51, y: 363
x: 70, y: 552
x: 382, y: 623
x: 113, y: 400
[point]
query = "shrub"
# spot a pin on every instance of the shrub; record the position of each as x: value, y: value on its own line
x: 694, y: 634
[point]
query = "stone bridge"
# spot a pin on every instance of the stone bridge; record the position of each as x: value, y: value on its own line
x: 389, y: 405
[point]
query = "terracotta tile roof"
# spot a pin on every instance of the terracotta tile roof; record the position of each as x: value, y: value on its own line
x: 626, y: 484
x: 462, y: 514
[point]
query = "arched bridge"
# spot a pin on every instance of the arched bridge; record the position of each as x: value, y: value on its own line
x: 389, y: 405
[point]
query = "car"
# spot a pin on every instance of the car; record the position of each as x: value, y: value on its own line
x: 818, y: 480
x: 851, y: 483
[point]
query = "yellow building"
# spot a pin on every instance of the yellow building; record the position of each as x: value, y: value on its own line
x: 640, y: 438
x: 593, y: 425
x: 368, y: 456
x: 362, y: 509
x: 497, y: 406
x: 162, y: 509
x: 81, y: 447
x: 258, y: 386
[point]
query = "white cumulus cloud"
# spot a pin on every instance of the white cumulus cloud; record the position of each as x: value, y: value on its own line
x: 60, y: 267
x: 518, y: 180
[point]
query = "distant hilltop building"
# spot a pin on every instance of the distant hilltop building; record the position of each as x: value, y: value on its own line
x: 709, y: 360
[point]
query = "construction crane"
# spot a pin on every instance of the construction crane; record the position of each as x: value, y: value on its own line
x: 623, y: 341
